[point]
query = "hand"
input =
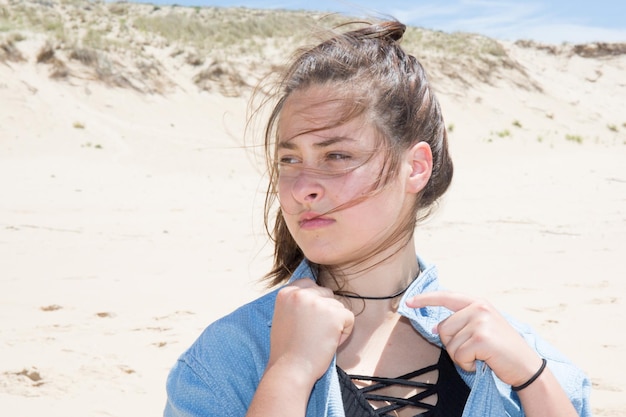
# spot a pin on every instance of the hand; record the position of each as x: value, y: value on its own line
x: 477, y: 331
x: 308, y: 327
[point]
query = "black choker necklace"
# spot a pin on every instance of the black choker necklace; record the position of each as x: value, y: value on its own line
x: 388, y: 297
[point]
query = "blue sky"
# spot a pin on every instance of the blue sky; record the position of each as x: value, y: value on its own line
x: 557, y: 21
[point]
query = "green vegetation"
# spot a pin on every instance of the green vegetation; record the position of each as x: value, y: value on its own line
x: 91, y: 145
x: 475, y: 57
x: 208, y: 28
x: 115, y: 43
x: 504, y: 133
x: 574, y: 138
x: 457, y: 43
x: 22, y: 16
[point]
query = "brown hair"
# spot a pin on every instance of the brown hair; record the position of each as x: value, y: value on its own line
x: 369, y: 68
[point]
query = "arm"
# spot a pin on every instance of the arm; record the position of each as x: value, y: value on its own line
x: 308, y: 326
x: 281, y: 392
x: 545, y: 397
x: 477, y: 331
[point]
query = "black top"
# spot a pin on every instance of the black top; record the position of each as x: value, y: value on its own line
x: 450, y: 389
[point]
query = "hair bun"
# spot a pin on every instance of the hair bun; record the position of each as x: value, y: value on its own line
x: 391, y: 31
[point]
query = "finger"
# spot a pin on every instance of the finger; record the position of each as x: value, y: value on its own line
x: 304, y: 283
x: 469, y: 334
x: 464, y: 355
x: 348, y: 325
x: 459, y: 320
x: 456, y: 335
x: 310, y: 284
x: 453, y: 333
x: 451, y: 300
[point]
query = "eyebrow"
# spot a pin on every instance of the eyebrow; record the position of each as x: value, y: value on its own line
x: 323, y: 144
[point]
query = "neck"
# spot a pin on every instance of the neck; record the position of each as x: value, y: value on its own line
x: 376, y: 281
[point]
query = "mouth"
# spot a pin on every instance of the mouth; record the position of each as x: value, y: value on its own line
x: 310, y: 221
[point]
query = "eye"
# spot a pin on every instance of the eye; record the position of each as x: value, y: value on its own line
x: 288, y: 160
x: 337, y: 156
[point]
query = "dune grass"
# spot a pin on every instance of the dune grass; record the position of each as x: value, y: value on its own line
x: 116, y: 42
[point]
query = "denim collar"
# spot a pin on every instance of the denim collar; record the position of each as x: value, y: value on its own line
x: 424, y: 319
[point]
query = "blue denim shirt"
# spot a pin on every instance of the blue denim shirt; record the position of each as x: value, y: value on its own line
x: 218, y: 375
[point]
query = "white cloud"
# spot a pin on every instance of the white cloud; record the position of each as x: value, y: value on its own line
x: 541, y: 20
x: 563, y: 32
x: 469, y: 15
x: 506, y: 20
x: 420, y: 14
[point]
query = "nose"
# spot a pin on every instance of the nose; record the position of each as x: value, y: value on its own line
x: 306, y: 188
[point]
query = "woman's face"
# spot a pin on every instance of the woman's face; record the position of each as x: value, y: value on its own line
x: 326, y: 178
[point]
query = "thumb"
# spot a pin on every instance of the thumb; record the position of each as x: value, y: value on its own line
x: 348, y: 326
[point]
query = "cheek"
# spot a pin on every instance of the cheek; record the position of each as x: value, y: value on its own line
x: 386, y: 203
x: 354, y: 187
x: 289, y: 206
x: 284, y: 187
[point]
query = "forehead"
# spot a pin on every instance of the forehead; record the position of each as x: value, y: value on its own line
x: 319, y: 110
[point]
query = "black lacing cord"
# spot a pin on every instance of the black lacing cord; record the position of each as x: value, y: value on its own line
x: 398, y: 403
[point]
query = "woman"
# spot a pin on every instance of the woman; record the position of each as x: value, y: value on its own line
x: 357, y: 154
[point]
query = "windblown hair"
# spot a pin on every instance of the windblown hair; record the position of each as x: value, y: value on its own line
x: 376, y: 78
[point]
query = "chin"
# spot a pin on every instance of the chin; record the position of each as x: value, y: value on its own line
x: 329, y: 258
x: 321, y: 258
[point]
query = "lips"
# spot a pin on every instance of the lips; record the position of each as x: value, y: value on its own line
x: 310, y: 221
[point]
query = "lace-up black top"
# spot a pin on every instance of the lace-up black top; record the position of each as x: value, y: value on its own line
x: 450, y: 390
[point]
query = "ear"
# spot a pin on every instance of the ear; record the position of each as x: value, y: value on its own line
x: 420, y: 163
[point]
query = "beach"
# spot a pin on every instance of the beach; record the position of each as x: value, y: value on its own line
x: 131, y: 220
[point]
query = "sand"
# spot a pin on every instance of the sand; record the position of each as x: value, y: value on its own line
x: 130, y: 221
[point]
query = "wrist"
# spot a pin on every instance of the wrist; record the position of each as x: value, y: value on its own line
x: 295, y: 376
x: 270, y: 399
x: 530, y: 379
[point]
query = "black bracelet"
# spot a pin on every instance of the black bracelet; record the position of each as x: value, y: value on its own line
x: 532, y: 379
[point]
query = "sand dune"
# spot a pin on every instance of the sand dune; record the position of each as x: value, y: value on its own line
x: 131, y: 213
